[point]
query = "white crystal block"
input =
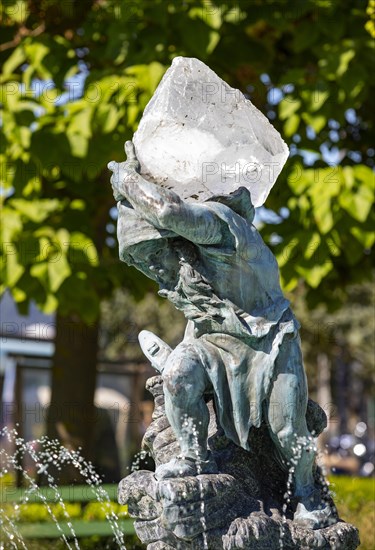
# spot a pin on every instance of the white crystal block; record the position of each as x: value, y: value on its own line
x: 200, y: 137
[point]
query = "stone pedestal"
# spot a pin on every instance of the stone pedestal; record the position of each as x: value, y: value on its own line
x: 244, y: 506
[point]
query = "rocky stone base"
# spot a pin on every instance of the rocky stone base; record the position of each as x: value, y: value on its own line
x: 213, y: 512
x: 242, y: 507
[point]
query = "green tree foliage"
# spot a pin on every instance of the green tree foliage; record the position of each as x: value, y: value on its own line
x: 344, y: 338
x: 352, y: 327
x: 76, y: 78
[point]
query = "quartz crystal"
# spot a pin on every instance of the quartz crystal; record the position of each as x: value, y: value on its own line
x: 200, y: 137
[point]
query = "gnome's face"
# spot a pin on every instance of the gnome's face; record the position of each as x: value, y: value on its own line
x: 157, y: 259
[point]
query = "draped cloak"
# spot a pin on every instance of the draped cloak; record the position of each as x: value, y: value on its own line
x: 240, y: 353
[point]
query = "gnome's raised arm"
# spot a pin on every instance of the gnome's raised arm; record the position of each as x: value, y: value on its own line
x: 160, y: 206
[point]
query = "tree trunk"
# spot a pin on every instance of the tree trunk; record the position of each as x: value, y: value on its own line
x: 71, y: 414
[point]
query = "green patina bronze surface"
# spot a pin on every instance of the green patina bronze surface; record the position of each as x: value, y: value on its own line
x: 241, y: 349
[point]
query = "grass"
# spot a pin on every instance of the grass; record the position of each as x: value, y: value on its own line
x: 355, y: 501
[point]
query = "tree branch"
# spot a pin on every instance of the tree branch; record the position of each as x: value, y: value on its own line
x: 22, y: 32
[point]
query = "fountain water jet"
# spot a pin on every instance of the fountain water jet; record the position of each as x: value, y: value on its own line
x: 46, y: 454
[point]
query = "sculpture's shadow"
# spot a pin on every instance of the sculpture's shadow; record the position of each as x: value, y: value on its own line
x: 244, y: 506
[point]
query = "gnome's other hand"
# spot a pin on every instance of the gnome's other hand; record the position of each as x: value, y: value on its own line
x: 124, y: 172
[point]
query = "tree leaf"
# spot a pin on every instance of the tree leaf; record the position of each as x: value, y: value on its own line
x: 82, y: 248
x: 14, y: 270
x: 312, y: 245
x: 366, y: 238
x: 40, y: 272
x: 107, y: 118
x: 81, y: 123
x: 49, y: 305
x: 313, y: 275
x: 323, y: 216
x: 316, y: 122
x: 35, y: 54
x: 16, y: 58
x: 37, y: 210
x: 291, y: 125
x: 79, y: 144
x: 358, y: 197
x: 344, y: 61
x: 288, y: 106
x: 58, y: 271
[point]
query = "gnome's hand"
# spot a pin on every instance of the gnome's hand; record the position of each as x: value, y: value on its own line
x: 132, y: 163
x: 124, y: 172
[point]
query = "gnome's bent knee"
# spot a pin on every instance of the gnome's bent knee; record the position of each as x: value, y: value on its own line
x: 184, y: 376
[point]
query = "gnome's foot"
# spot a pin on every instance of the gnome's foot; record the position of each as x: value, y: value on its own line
x: 312, y: 513
x: 155, y: 349
x: 186, y: 466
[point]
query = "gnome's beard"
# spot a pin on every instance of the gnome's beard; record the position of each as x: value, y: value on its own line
x: 194, y: 296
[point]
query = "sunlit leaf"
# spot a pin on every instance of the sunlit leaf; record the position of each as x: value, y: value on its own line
x: 37, y: 210
x: 14, y: 269
x: 314, y: 274
x: 58, y: 271
x: 13, y: 61
x: 291, y: 125
x: 288, y: 107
